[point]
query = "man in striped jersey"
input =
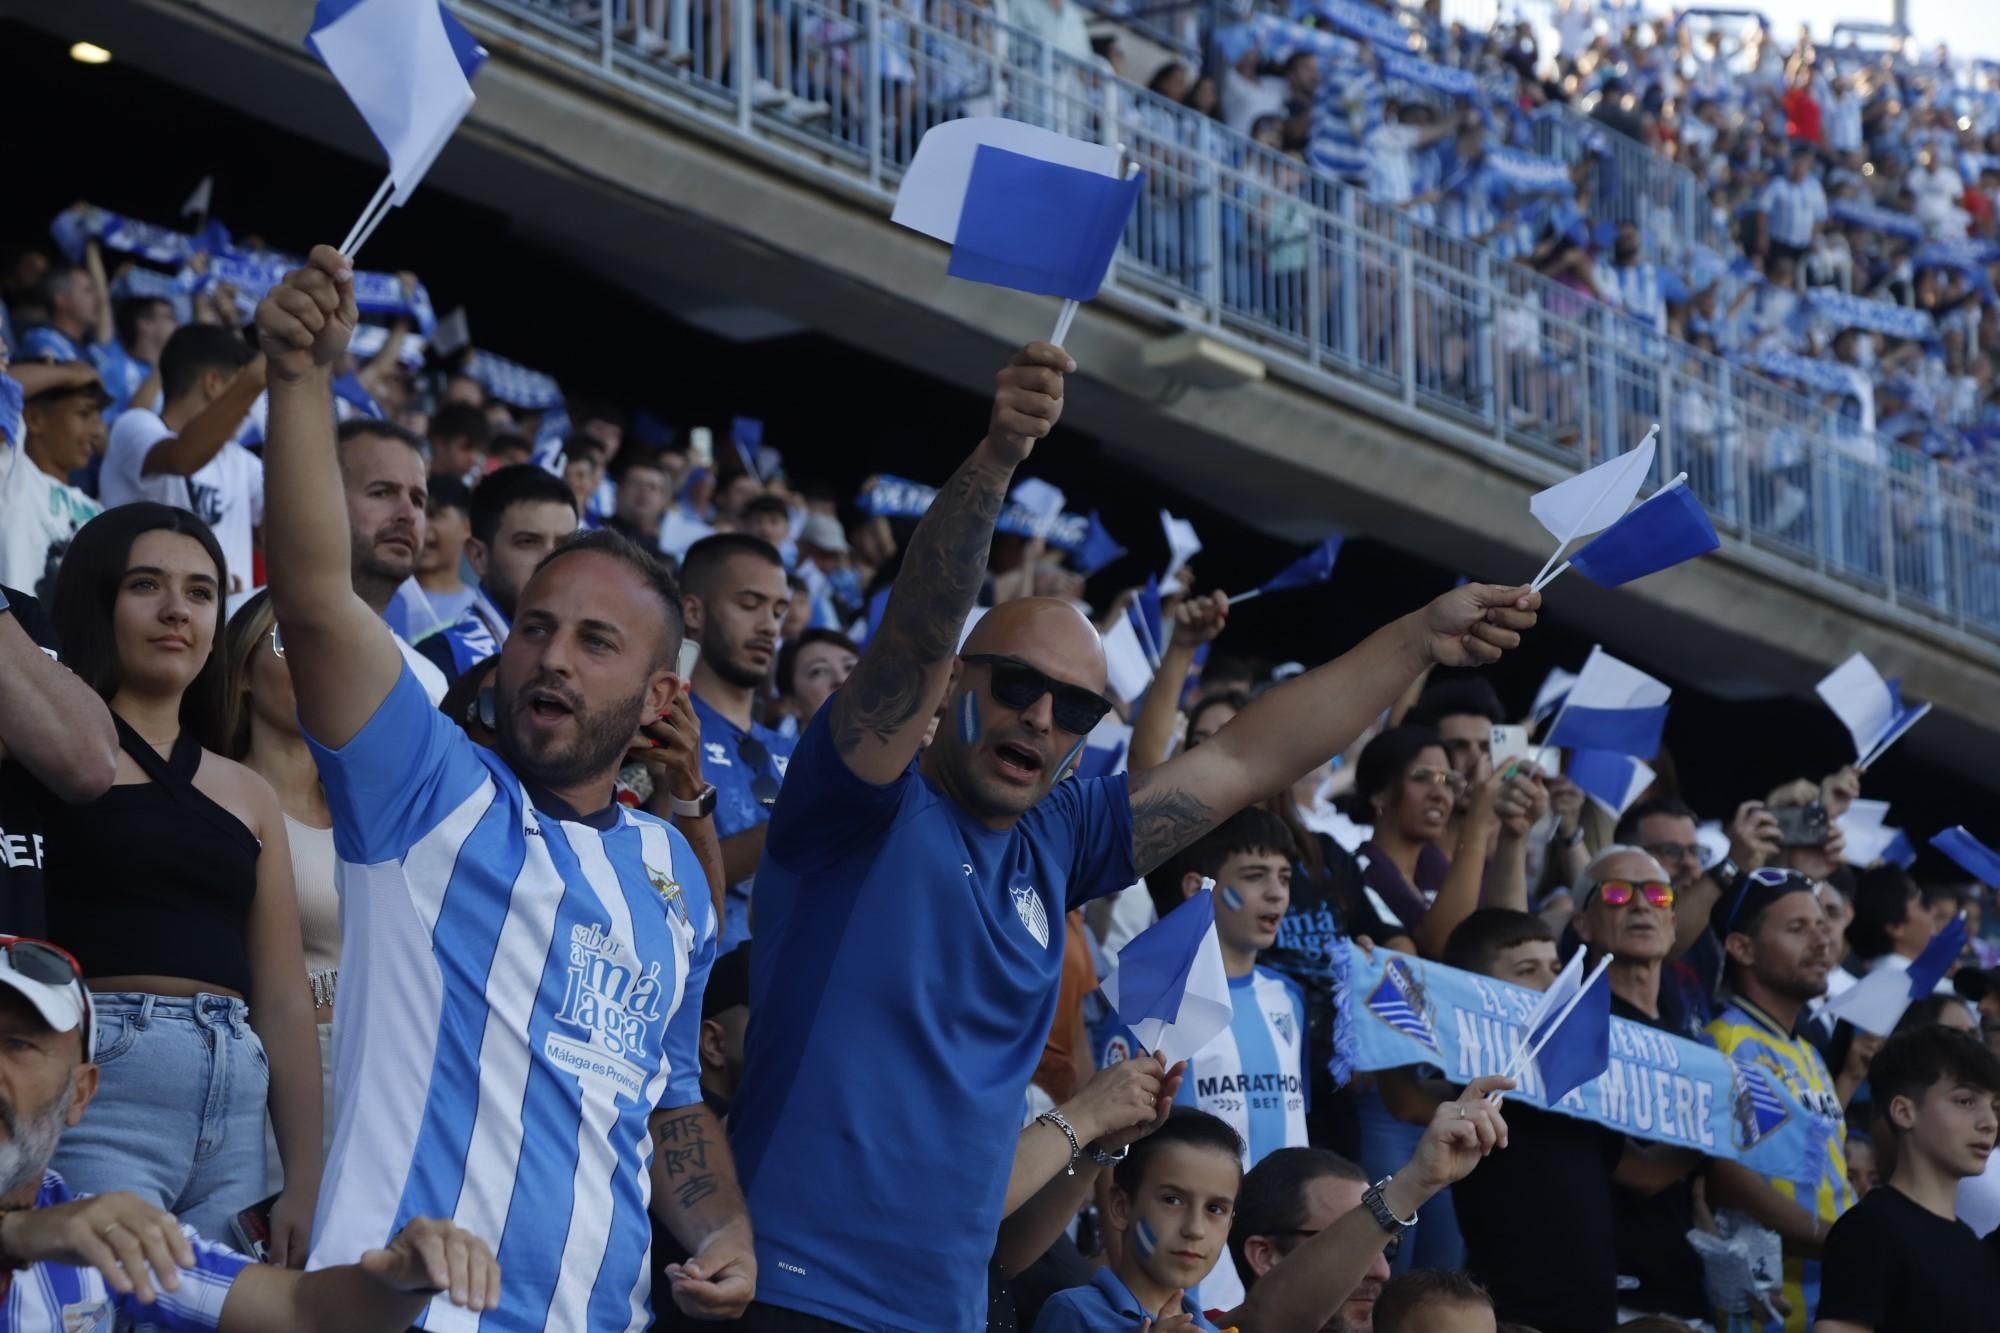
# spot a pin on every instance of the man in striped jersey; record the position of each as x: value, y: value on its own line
x: 74, y: 1263
x: 525, y: 956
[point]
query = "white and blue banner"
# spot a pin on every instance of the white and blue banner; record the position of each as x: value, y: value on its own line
x: 1429, y: 74
x: 1528, y: 173
x: 1361, y: 20
x: 1885, y: 220
x: 1393, y: 1010
x: 1858, y: 312
x: 513, y: 383
x: 375, y: 294
x: 899, y: 497
x: 1821, y: 376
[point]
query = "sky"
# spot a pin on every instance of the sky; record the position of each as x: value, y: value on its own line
x: 1968, y: 27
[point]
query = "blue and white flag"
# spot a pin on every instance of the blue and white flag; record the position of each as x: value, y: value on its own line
x: 1098, y: 547
x: 1612, y: 706
x: 1877, y: 1001
x: 1554, y: 691
x: 1148, y: 622
x: 1612, y: 780
x: 1182, y: 544
x: 407, y: 65
x: 1900, y: 852
x: 10, y: 410
x: 1663, y: 530
x: 1594, y: 500
x: 1886, y: 317
x: 1168, y: 984
x: 1870, y: 707
x: 1885, y: 220
x: 1393, y: 1010
x: 1569, y: 1033
x: 1104, y: 749
x: 1020, y: 206
x: 1971, y: 855
x: 1315, y: 566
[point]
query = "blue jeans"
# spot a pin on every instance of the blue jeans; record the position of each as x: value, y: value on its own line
x: 1386, y: 1143
x: 179, y: 1114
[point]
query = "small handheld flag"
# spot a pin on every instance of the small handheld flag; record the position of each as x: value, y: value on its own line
x: 1316, y: 566
x: 407, y: 65
x: 1614, y: 781
x: 1971, y: 855
x: 1877, y: 1001
x: 1613, y: 707
x: 1182, y: 544
x: 1568, y: 1054
x: 1549, y: 698
x: 1591, y: 501
x: 197, y: 203
x: 1168, y: 983
x: 1020, y: 206
x: 1870, y: 707
x: 1667, y: 527
x: 1099, y: 547
x: 1149, y: 622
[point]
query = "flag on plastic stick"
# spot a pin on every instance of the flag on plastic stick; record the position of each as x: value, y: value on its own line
x: 1877, y: 1001
x: 1316, y: 566
x: 1971, y: 855
x: 1549, y: 698
x: 1168, y: 985
x: 1614, y: 781
x: 1098, y: 549
x: 1127, y: 669
x: 1592, y: 501
x: 1900, y: 851
x: 1104, y: 748
x: 1149, y: 622
x: 1566, y: 1057
x: 1612, y: 706
x: 1182, y: 544
x: 407, y: 65
x: 1870, y: 707
x: 198, y: 202
x: 1020, y: 206
x: 1667, y: 527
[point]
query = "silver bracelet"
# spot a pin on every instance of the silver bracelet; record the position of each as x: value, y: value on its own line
x: 1075, y: 1148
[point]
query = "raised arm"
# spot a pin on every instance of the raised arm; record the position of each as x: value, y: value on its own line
x: 344, y: 661
x: 189, y: 451
x: 1289, y: 731
x: 1197, y: 620
x: 51, y: 722
x: 880, y: 714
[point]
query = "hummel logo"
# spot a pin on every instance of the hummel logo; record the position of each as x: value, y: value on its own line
x: 531, y: 830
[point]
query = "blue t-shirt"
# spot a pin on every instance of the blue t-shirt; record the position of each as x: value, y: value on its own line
x: 737, y: 809
x: 47, y: 343
x: 1107, y: 1305
x: 75, y: 1300
x: 902, y: 988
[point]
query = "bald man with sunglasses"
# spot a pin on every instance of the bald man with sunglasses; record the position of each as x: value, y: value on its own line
x: 910, y: 910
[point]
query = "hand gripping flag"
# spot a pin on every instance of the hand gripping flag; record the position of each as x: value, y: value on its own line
x: 1870, y: 707
x: 1591, y: 501
x: 1020, y: 206
x: 1569, y: 1031
x: 1613, y: 707
x: 1877, y: 1001
x: 1168, y: 985
x: 1614, y: 781
x: 1666, y: 528
x: 407, y: 65
x: 1316, y: 566
x: 1972, y: 856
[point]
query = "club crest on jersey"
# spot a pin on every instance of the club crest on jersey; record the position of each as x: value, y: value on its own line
x: 1757, y: 1110
x: 669, y: 890
x: 614, y: 1005
x: 1028, y: 906
x: 1282, y: 1022
x: 1116, y: 1051
x: 1400, y: 1001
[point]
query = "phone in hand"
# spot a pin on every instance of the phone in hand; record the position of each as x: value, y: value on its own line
x: 1802, y: 825
x: 701, y: 447
x: 690, y: 654
x: 1510, y: 742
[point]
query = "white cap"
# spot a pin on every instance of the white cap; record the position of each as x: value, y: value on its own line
x: 30, y: 968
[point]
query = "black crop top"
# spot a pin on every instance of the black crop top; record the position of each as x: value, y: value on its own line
x: 153, y: 878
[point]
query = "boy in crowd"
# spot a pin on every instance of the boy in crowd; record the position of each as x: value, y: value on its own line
x: 1900, y: 1261
x: 1171, y: 1200
x: 1434, y: 1301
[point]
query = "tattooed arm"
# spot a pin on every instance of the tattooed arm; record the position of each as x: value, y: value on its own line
x: 695, y: 1196
x: 1289, y: 731
x: 880, y: 714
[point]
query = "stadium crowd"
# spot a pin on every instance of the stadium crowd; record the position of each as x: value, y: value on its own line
x: 593, y: 879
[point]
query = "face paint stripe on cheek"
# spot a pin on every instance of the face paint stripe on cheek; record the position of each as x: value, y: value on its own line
x: 968, y: 718
x: 1230, y: 897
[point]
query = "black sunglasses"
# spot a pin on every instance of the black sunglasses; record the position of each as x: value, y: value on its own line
x: 763, y: 787
x: 52, y: 965
x: 1016, y: 685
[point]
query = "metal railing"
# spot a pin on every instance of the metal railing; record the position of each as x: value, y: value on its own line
x: 1250, y: 245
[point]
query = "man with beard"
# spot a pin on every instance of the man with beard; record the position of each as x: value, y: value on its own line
x: 734, y: 596
x: 909, y: 914
x: 521, y: 1050
x: 1311, y: 1236
x: 1780, y: 948
x: 387, y: 485
x: 519, y: 514
x: 76, y: 1262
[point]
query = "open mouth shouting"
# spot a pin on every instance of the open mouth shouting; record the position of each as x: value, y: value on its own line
x: 1017, y: 763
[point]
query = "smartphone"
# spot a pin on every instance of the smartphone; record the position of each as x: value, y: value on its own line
x: 690, y: 654
x: 250, y: 1230
x: 1802, y: 825
x: 701, y: 447
x: 1510, y: 742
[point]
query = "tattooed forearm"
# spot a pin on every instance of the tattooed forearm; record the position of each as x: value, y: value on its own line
x: 691, y: 1164
x: 940, y: 579
x: 1164, y: 820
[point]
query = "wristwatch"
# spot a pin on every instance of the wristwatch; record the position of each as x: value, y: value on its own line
x: 1725, y: 873
x: 701, y: 807
x: 1378, y: 1208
